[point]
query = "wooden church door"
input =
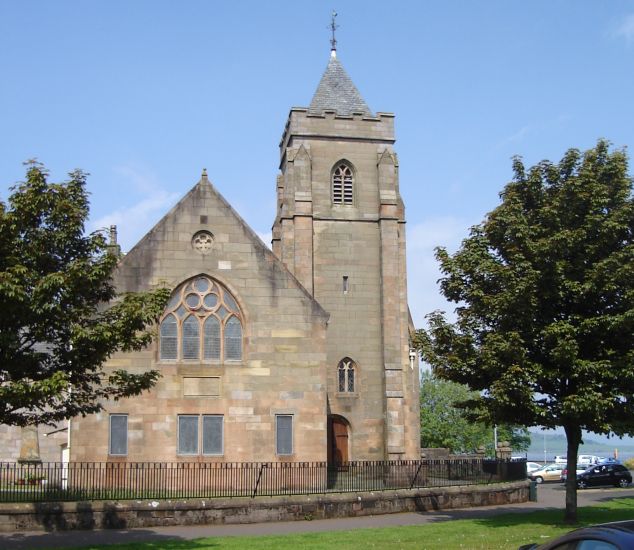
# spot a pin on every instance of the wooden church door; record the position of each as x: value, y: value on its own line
x: 338, y: 441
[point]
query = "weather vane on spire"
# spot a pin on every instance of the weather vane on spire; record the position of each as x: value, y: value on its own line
x: 333, y: 40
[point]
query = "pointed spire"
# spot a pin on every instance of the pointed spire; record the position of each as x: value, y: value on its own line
x: 337, y: 92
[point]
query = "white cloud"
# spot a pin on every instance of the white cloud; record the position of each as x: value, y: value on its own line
x: 531, y: 130
x: 513, y: 138
x: 626, y: 29
x: 141, y: 178
x: 135, y: 221
x: 422, y: 268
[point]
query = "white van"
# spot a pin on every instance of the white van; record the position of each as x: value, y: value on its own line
x: 561, y: 460
x: 587, y: 460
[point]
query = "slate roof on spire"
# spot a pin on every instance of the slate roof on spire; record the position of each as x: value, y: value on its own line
x: 336, y: 92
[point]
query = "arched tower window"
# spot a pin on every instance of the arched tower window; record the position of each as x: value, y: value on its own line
x: 346, y: 371
x: 342, y: 184
x: 202, y: 320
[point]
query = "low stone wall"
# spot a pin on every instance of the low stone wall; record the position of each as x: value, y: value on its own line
x: 151, y: 513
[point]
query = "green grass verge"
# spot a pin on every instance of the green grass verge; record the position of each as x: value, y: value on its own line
x: 504, y: 532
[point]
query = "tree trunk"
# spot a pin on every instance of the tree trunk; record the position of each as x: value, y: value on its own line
x: 573, y: 439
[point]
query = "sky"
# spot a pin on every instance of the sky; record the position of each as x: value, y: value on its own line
x: 143, y: 95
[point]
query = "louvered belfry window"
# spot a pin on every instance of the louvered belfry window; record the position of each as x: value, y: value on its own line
x: 342, y: 185
x: 202, y: 321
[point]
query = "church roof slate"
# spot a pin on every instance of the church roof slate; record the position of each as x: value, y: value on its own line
x: 337, y: 92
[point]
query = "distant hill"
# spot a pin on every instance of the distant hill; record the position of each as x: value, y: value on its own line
x: 556, y: 445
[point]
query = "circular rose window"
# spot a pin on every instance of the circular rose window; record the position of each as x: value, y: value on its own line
x: 203, y: 242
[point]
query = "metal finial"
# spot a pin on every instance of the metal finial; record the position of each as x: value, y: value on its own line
x: 333, y: 28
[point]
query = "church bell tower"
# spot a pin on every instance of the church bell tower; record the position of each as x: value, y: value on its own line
x: 340, y: 229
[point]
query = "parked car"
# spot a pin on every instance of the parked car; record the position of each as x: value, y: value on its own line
x: 561, y: 459
x: 552, y: 472
x: 580, y: 469
x: 587, y: 459
x: 604, y: 474
x: 532, y: 467
x: 618, y: 535
x: 608, y: 460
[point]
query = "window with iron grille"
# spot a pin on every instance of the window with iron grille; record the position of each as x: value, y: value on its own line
x: 196, y: 433
x: 284, y: 434
x: 213, y: 434
x: 187, y: 435
x: 202, y: 321
x: 346, y: 376
x: 118, y: 435
x: 342, y: 185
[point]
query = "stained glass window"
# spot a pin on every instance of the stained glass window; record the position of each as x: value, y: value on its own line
x: 169, y: 338
x: 212, y: 338
x: 201, y: 284
x: 201, y: 321
x: 191, y: 338
x: 233, y: 339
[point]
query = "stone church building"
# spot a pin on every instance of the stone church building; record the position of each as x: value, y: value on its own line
x: 299, y: 353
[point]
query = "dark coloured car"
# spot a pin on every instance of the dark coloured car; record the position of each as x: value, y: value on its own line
x: 609, y: 460
x: 604, y: 474
x: 607, y: 536
x: 580, y: 469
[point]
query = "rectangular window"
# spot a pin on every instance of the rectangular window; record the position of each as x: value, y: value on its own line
x: 345, y: 284
x: 187, y: 435
x: 213, y: 435
x: 284, y: 434
x: 118, y: 435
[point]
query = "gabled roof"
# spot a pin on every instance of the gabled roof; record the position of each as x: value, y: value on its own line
x: 205, y: 189
x: 336, y: 92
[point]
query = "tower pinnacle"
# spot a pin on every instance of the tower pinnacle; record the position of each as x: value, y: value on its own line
x: 333, y: 40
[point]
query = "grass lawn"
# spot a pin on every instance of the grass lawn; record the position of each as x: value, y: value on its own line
x: 506, y: 531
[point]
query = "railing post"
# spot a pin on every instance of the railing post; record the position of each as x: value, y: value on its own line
x: 257, y: 483
x: 420, y: 465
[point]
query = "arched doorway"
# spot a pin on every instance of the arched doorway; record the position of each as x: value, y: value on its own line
x: 338, y: 440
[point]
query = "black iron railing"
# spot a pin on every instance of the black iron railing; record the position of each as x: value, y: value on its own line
x: 56, y: 481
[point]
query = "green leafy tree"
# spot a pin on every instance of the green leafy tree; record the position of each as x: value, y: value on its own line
x: 444, y: 424
x: 545, y: 293
x: 60, y: 317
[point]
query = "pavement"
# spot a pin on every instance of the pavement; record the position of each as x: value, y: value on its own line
x: 549, y: 496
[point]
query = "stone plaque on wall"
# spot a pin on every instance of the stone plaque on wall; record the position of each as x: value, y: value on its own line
x: 201, y: 386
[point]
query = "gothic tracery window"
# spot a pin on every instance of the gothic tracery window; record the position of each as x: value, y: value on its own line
x: 346, y: 376
x: 202, y: 321
x: 342, y: 180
